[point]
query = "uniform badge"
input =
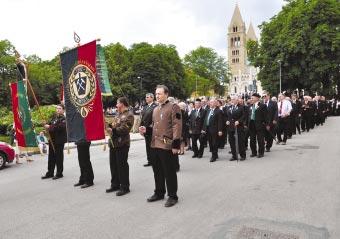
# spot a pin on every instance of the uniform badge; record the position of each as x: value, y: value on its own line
x: 82, y: 82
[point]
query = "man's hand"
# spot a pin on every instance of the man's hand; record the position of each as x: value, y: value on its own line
x: 268, y: 127
x: 142, y: 130
x: 176, y: 151
x: 203, y: 132
x: 274, y: 122
x: 236, y: 123
x: 109, y: 130
x: 227, y: 123
x: 220, y: 133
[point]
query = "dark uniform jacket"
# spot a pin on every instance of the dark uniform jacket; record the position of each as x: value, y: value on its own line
x: 215, y: 123
x: 261, y: 116
x: 234, y: 114
x: 167, y: 126
x: 146, y: 120
x: 121, y: 128
x: 196, y: 121
x: 57, y: 129
x: 307, y: 109
x: 272, y: 112
x: 296, y: 109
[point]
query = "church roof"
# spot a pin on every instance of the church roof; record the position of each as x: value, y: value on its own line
x: 251, y: 33
x: 237, y: 18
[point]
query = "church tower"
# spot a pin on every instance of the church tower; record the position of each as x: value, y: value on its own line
x: 243, y: 75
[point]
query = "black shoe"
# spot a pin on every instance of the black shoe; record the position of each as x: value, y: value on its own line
x: 260, y: 156
x: 195, y: 156
x: 147, y: 165
x: 199, y: 156
x: 170, y: 202
x: 47, y: 176
x: 213, y: 159
x: 112, y: 189
x: 243, y: 158
x: 122, y: 192
x: 232, y: 159
x: 78, y: 184
x: 86, y: 185
x: 155, y: 198
x: 253, y: 155
x: 57, y: 177
x: 267, y: 150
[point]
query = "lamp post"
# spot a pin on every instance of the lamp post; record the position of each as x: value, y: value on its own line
x: 279, y: 61
x: 141, y: 87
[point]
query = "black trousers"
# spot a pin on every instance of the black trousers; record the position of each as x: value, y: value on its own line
x: 213, y: 144
x: 164, y: 170
x: 256, y: 135
x: 119, y: 167
x: 148, y: 139
x: 306, y: 122
x: 197, y: 151
x: 298, y: 124
x: 86, y: 171
x: 269, y: 136
x: 283, y: 127
x: 55, y: 158
x: 241, y: 142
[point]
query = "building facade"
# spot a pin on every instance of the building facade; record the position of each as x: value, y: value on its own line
x: 244, y: 76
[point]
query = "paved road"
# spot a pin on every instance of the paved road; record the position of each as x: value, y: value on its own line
x: 293, y: 192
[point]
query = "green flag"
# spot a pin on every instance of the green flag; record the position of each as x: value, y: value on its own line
x: 25, y: 134
x: 102, y: 72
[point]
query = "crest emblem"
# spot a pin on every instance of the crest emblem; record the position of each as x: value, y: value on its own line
x: 82, y: 83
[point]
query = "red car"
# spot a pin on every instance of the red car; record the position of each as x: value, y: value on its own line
x: 7, y: 154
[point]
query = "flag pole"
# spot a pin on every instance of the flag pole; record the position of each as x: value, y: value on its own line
x: 37, y: 103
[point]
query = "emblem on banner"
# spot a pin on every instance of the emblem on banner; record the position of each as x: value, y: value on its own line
x: 82, y: 83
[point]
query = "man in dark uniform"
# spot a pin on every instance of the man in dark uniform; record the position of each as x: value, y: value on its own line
x: 146, y: 125
x: 272, y: 112
x: 86, y: 171
x: 307, y: 114
x: 235, y: 119
x: 196, y: 121
x: 213, y: 127
x: 166, y: 141
x: 57, y: 131
x: 296, y: 114
x: 119, y: 145
x: 258, y: 123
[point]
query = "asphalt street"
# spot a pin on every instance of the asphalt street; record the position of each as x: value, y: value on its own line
x: 293, y: 192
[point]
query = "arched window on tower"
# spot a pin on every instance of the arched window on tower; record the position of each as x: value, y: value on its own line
x: 235, y: 89
x: 232, y: 41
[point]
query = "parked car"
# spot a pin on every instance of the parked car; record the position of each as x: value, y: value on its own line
x: 7, y: 154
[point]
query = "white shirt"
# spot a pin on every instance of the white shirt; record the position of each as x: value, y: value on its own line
x: 286, y: 108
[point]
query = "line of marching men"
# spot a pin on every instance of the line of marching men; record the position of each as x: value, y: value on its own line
x: 260, y: 120
x: 168, y: 126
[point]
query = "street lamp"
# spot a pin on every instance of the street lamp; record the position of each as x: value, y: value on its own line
x: 141, y: 87
x: 279, y: 61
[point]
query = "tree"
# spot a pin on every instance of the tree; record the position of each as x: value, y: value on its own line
x: 45, y: 77
x: 159, y: 64
x: 210, y: 71
x: 7, y: 71
x: 305, y: 37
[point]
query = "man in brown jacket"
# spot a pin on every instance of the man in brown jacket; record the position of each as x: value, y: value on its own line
x: 119, y: 145
x: 166, y: 140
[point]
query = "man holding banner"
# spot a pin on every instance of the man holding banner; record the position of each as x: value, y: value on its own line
x: 57, y: 131
x: 83, y: 104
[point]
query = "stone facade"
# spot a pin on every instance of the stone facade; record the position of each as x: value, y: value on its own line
x: 244, y: 76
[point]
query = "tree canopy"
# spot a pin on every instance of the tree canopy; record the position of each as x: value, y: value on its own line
x: 209, y: 70
x: 305, y: 37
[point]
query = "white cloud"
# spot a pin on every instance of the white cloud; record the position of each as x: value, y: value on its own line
x: 45, y: 27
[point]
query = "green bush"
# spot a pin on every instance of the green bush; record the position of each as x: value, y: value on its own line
x: 39, y: 116
x: 4, y: 138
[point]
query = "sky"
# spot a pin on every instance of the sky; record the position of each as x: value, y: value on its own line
x: 44, y: 27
